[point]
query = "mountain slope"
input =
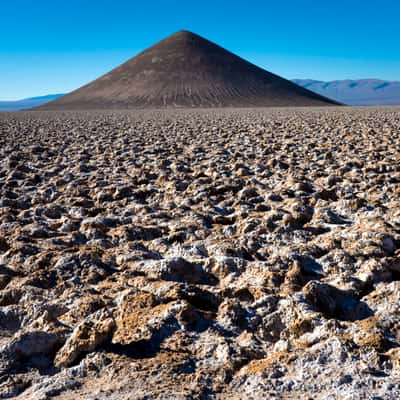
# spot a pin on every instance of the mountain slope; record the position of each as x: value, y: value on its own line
x: 186, y: 70
x: 356, y: 92
x: 27, y: 103
x: 353, y: 92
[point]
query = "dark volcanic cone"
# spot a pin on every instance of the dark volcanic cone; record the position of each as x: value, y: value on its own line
x: 186, y: 70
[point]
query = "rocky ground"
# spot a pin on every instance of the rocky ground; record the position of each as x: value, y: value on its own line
x: 232, y: 254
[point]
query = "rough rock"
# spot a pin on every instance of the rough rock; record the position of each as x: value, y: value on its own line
x: 203, y: 254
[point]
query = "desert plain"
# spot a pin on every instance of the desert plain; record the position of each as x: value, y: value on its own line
x: 200, y: 254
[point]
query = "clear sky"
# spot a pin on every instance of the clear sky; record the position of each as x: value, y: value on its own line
x: 55, y: 46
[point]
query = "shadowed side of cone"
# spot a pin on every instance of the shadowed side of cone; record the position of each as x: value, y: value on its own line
x: 186, y: 70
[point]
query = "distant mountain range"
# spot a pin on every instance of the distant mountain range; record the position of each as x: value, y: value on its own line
x: 27, y: 103
x: 353, y: 92
x: 362, y: 92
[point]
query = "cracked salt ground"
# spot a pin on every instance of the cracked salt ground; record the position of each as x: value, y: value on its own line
x: 209, y: 254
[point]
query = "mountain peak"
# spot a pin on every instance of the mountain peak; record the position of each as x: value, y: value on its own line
x: 184, y: 41
x: 184, y: 33
x: 187, y: 70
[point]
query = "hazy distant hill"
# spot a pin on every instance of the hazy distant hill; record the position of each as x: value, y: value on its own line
x: 356, y: 92
x: 27, y: 103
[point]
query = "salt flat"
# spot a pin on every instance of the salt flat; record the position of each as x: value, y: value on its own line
x: 200, y: 254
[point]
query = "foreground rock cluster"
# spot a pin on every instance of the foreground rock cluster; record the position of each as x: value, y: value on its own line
x: 231, y: 254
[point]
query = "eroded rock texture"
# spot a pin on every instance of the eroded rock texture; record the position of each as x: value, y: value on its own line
x: 231, y: 254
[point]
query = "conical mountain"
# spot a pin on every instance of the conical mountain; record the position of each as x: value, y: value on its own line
x: 186, y: 70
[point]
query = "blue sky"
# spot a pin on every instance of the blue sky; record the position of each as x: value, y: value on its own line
x: 55, y: 46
